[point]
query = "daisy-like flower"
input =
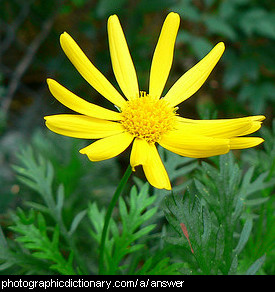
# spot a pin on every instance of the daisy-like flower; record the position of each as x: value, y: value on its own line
x: 145, y: 119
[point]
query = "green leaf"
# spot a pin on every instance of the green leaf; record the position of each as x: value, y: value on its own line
x: 124, y: 234
x: 77, y: 219
x: 60, y: 198
x: 210, y: 211
x: 38, y: 173
x: 217, y: 25
x: 258, y: 21
x: 187, y: 209
x: 244, y: 236
x: 256, y: 202
x: 162, y: 267
x: 97, y: 218
x: 36, y: 240
x: 249, y: 187
x: 254, y: 268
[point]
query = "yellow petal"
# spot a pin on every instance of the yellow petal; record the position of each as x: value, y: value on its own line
x: 258, y: 118
x: 154, y: 169
x: 89, y: 71
x: 123, y: 66
x: 84, y: 127
x: 194, y: 78
x: 255, y: 118
x: 107, y: 147
x: 163, y: 55
x: 219, y: 128
x: 139, y: 153
x: 80, y: 105
x: 195, y: 146
x: 255, y: 126
x: 245, y: 142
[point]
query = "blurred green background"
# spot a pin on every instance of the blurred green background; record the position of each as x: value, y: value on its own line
x: 241, y: 84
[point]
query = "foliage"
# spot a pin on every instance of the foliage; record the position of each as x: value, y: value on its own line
x: 51, y: 244
x: 219, y: 218
x: 35, y: 238
x: 133, y: 228
x: 211, y: 213
x: 247, y: 28
x: 262, y: 240
x: 216, y: 216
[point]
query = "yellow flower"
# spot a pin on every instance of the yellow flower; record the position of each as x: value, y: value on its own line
x: 145, y: 119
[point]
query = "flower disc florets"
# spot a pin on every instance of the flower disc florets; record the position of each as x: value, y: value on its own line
x: 148, y: 118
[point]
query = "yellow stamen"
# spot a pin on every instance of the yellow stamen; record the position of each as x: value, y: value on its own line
x: 148, y: 118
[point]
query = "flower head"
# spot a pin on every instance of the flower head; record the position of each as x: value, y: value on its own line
x: 146, y: 119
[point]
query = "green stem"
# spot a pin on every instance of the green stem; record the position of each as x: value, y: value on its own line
x: 109, y: 215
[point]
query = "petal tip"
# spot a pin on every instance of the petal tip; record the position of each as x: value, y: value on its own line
x: 261, y: 140
x: 49, y: 81
x: 64, y: 40
x: 63, y: 36
x: 113, y: 17
x: 221, y: 46
x: 175, y: 20
x: 82, y: 151
x: 175, y: 15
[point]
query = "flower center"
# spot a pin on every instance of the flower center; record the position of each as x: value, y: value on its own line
x: 148, y: 118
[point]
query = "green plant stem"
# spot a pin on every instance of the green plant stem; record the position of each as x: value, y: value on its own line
x: 108, y: 216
